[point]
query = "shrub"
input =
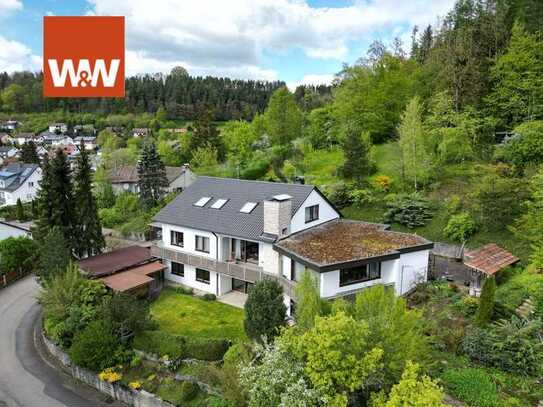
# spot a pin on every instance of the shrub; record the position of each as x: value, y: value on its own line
x: 209, y: 297
x: 265, y: 311
x: 95, y: 348
x: 362, y: 197
x: 17, y: 254
x: 486, y: 302
x: 471, y: 385
x: 411, y: 210
x: 189, y: 391
x: 383, y: 183
x: 205, y: 349
x: 468, y: 305
x: 237, y: 353
x: 109, y: 375
x: 478, y: 345
x: 519, y: 287
x: 184, y: 290
x: 339, y: 194
x: 160, y: 343
x: 460, y: 227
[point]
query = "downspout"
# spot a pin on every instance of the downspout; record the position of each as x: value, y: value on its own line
x: 217, y: 260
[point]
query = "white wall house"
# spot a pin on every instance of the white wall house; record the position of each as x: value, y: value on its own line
x: 89, y: 142
x: 19, y: 181
x: 225, y: 234
x: 126, y: 178
x: 58, y: 128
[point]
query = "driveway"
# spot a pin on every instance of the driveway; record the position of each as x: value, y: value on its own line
x: 28, y: 377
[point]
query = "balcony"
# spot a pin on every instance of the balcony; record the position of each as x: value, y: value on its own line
x: 241, y: 270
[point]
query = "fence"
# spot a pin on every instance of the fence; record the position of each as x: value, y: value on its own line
x: 135, y: 398
x: 8, y: 278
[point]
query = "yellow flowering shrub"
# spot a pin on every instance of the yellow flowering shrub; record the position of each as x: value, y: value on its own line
x: 110, y: 376
x: 135, y: 385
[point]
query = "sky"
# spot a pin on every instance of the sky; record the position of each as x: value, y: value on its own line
x: 296, y: 41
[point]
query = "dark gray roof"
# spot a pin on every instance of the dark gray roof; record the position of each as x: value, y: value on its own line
x: 229, y: 220
x: 14, y: 175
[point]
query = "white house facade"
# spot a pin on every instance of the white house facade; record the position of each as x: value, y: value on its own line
x: 19, y: 181
x: 224, y: 234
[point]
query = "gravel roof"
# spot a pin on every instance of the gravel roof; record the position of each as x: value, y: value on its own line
x: 340, y: 242
x: 228, y: 220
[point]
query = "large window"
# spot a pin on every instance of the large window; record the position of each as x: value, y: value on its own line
x: 178, y: 269
x: 359, y: 274
x: 176, y: 238
x: 311, y: 213
x: 202, y: 244
x: 202, y: 276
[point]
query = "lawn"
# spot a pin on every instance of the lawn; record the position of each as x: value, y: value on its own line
x: 188, y: 315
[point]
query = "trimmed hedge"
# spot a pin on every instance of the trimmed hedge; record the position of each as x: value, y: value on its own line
x: 181, y: 347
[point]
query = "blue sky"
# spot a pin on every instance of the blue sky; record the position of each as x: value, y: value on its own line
x: 295, y: 41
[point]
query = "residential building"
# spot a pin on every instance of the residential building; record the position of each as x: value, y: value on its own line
x: 224, y: 234
x: 10, y: 125
x: 125, y: 179
x: 89, y: 142
x: 5, y: 138
x: 14, y: 229
x: 19, y: 181
x: 54, y: 140
x: 23, y: 138
x: 84, y: 130
x: 130, y: 270
x: 8, y: 152
x: 58, y: 128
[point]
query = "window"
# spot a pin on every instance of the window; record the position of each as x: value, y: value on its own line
x: 202, y: 201
x: 248, y: 207
x: 176, y: 238
x: 202, y: 276
x: 219, y: 203
x: 359, y: 274
x: 293, y: 275
x: 311, y: 213
x: 292, y: 308
x: 30, y: 184
x: 178, y: 269
x: 202, y: 244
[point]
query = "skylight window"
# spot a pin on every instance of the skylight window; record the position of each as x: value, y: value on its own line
x: 282, y: 197
x: 219, y: 203
x: 248, y: 207
x: 203, y: 201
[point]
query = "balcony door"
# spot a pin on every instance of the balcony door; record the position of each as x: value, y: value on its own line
x: 244, y: 251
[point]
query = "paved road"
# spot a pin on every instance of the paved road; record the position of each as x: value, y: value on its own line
x: 28, y: 377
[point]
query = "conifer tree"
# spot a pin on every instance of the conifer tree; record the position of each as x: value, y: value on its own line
x: 486, y: 302
x: 29, y: 153
x: 20, y: 211
x: 152, y: 175
x: 55, y: 199
x: 357, y: 149
x: 88, y: 230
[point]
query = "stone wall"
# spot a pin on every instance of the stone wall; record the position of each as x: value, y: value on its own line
x: 135, y: 398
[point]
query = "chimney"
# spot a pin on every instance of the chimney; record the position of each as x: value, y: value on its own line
x: 277, y: 214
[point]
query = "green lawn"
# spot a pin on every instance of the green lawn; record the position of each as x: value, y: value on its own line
x: 188, y: 315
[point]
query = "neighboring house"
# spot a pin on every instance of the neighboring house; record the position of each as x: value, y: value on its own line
x: 130, y: 270
x: 10, y: 125
x: 5, y: 138
x: 41, y: 151
x: 84, y: 130
x: 58, y: 128
x: 8, y: 152
x: 19, y: 181
x: 13, y: 229
x: 23, y: 138
x: 142, y: 132
x: 53, y: 140
x: 225, y: 234
x: 88, y: 141
x: 125, y: 179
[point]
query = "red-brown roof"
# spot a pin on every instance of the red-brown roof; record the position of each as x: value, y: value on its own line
x: 126, y: 280
x: 148, y: 269
x: 115, y: 261
x: 490, y: 259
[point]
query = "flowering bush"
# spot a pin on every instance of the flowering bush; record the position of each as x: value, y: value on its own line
x: 110, y: 376
x: 383, y: 183
x: 135, y: 385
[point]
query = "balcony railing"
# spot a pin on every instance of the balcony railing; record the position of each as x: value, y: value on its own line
x: 240, y: 270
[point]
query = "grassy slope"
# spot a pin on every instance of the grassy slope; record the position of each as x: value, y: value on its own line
x: 191, y: 316
x: 457, y: 179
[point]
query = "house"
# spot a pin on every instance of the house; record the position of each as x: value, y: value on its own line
x: 19, y: 181
x: 130, y: 270
x: 23, y: 138
x: 10, y: 125
x: 58, y: 128
x: 225, y: 234
x: 5, y: 138
x: 84, y: 130
x: 8, y: 152
x: 14, y: 229
x: 141, y: 132
x: 54, y: 140
x: 125, y: 179
x: 89, y: 142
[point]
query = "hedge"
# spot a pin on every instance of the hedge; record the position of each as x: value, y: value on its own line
x: 181, y: 347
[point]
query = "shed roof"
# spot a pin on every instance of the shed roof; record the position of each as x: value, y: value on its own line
x: 115, y: 261
x: 126, y: 281
x: 343, y: 243
x: 490, y: 259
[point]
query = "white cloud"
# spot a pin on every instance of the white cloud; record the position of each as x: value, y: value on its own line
x: 311, y: 80
x: 15, y: 56
x: 231, y: 36
x: 9, y: 6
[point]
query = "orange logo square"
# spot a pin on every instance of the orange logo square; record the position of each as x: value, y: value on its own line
x: 83, y: 56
